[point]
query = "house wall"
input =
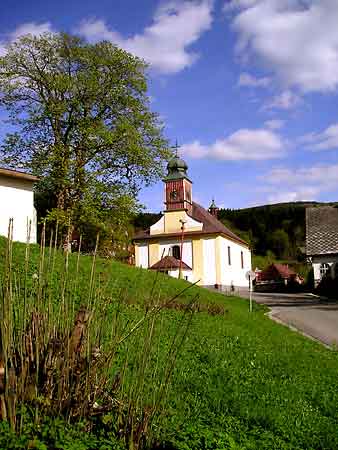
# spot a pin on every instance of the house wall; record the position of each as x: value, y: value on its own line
x: 17, y: 202
x: 165, y: 247
x: 172, y: 222
x: 142, y: 255
x: 198, y: 268
x: 207, y: 256
x: 318, y: 260
x: 186, y: 274
x: 154, y: 253
x: 233, y: 274
x: 209, y: 262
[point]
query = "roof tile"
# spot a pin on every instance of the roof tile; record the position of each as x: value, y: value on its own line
x: 321, y: 230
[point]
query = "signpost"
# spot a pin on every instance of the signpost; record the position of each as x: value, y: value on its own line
x: 250, y: 276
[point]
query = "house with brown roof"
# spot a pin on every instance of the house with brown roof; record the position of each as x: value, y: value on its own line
x: 17, y: 203
x: 277, y: 276
x: 189, y: 241
x: 322, y: 241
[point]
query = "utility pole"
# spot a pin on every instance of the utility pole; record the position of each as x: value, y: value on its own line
x: 183, y: 222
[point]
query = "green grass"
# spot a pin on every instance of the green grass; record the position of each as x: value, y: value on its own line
x: 241, y: 381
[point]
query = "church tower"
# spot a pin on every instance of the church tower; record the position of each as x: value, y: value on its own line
x: 178, y: 187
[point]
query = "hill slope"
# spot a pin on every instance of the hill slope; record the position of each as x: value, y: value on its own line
x: 279, y: 228
x: 241, y: 380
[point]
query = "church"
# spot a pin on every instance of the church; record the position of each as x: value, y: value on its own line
x: 189, y: 241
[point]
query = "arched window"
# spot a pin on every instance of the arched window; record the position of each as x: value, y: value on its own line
x: 324, y: 269
x: 176, y: 252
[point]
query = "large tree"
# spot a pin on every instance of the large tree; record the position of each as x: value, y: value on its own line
x: 81, y: 120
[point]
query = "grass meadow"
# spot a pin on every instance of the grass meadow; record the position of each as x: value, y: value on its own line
x: 210, y: 376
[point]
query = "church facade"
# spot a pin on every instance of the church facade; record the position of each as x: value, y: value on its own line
x: 190, y: 242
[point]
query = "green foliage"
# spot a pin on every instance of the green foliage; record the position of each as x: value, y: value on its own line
x: 261, y: 227
x: 240, y: 382
x: 82, y: 121
x: 279, y: 243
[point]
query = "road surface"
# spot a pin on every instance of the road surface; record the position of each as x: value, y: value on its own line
x: 307, y: 313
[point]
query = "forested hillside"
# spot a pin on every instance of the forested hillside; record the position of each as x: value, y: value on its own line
x: 278, y: 228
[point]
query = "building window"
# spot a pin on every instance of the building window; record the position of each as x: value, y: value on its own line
x: 176, y: 252
x: 324, y: 269
x: 242, y: 260
x: 229, y: 256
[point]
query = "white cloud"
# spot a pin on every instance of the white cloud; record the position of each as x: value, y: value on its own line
x: 35, y: 29
x: 245, y: 79
x: 244, y: 144
x: 285, y: 100
x: 165, y: 43
x: 274, y: 124
x: 286, y: 184
x: 326, y: 140
x: 302, y: 194
x: 295, y: 39
x: 232, y: 5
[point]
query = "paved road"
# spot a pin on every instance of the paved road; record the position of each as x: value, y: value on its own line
x: 305, y: 312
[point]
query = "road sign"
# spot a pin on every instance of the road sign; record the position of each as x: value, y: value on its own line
x: 250, y: 275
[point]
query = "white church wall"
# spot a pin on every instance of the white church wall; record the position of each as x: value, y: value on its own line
x: 142, y: 256
x: 233, y: 273
x: 165, y: 247
x: 17, y: 202
x: 209, y: 262
x: 186, y: 275
x: 158, y: 227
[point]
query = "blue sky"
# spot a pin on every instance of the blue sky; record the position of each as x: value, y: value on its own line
x: 248, y: 87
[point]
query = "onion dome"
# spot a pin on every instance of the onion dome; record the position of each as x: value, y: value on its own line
x: 177, y: 168
x: 213, y: 210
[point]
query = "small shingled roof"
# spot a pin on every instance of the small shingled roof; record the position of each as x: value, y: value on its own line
x: 211, y: 225
x: 321, y: 230
x: 283, y: 270
x: 169, y: 263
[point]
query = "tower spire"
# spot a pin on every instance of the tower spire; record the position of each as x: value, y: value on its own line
x: 176, y: 147
x: 213, y: 210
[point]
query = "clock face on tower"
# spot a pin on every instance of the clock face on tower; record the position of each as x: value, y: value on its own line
x: 174, y: 195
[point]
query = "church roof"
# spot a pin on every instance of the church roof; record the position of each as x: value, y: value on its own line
x: 169, y: 263
x: 321, y: 230
x: 211, y: 225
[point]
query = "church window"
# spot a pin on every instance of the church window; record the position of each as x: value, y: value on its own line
x: 324, y: 269
x: 229, y: 256
x: 176, y: 252
x: 242, y: 260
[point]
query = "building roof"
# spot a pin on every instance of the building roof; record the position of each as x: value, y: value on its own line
x: 321, y: 230
x: 211, y: 225
x: 16, y: 174
x: 276, y: 270
x: 169, y: 263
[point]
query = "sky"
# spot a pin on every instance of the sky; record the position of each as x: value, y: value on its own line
x: 247, y: 87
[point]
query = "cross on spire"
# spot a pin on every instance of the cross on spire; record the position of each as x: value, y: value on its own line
x: 176, y: 147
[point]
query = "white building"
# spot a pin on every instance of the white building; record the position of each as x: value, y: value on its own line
x: 189, y: 241
x: 17, y: 203
x: 322, y: 241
